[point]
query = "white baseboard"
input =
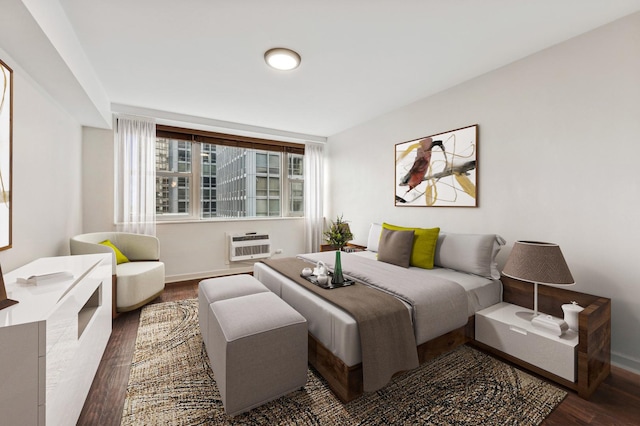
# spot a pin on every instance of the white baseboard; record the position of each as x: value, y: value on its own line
x: 625, y: 362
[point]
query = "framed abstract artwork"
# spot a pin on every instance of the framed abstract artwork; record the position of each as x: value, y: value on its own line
x: 438, y: 170
x: 6, y: 128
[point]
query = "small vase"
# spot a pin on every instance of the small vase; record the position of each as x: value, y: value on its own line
x: 571, y: 313
x: 337, y: 271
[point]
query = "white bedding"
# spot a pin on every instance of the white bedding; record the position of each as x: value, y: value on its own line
x: 481, y: 292
x: 338, y: 331
x: 437, y: 305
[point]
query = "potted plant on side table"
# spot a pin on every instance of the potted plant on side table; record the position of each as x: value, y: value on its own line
x: 338, y: 234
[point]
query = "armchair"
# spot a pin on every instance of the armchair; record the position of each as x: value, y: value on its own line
x: 136, y: 282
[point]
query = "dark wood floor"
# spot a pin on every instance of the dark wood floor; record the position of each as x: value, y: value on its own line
x: 616, y: 402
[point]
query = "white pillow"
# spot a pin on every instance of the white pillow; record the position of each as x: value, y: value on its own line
x: 472, y: 253
x: 374, y: 237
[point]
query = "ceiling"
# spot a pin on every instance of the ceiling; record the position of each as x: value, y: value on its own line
x: 203, y: 59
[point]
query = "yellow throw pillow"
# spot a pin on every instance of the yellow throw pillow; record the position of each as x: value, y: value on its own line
x: 120, y: 258
x: 424, y: 244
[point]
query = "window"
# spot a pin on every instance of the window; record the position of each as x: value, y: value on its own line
x: 196, y: 178
x: 173, y: 176
x: 296, y: 184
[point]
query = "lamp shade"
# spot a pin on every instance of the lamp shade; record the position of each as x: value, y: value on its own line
x: 538, y: 262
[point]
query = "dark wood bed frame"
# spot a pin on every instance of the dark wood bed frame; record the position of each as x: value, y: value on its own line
x: 594, y: 353
x: 346, y: 382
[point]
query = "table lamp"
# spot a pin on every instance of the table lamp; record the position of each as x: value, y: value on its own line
x: 537, y: 263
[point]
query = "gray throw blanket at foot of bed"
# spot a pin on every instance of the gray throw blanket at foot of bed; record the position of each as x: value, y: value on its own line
x: 386, y: 335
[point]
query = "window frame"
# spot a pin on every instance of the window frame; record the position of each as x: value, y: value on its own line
x: 199, y: 137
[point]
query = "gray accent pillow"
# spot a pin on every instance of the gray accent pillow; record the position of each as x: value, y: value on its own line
x: 395, y: 247
x: 471, y: 253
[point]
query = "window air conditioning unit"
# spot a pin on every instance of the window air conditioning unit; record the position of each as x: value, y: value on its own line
x: 249, y: 246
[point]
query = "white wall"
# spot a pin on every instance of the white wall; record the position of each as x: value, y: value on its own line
x: 558, y: 152
x: 46, y: 174
x: 197, y: 250
x: 190, y: 250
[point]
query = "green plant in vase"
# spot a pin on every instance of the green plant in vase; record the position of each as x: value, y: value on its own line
x: 338, y: 233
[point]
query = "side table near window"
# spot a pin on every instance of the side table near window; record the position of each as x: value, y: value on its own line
x: 347, y: 248
x: 578, y: 360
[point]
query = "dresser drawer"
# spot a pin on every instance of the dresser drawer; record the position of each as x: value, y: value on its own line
x: 506, y: 327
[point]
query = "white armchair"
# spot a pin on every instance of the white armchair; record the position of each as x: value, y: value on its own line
x: 137, y: 282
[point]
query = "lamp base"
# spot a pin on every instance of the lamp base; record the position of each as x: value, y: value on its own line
x: 526, y: 315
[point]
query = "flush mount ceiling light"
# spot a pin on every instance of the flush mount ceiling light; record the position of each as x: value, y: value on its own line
x: 282, y: 59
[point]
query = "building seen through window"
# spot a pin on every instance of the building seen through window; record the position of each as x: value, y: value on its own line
x: 203, y: 180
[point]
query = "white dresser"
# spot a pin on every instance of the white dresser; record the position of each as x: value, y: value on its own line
x: 52, y: 341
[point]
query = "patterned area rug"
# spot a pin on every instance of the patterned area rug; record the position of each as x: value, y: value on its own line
x: 171, y: 383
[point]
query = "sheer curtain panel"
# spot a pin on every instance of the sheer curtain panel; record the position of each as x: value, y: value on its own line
x: 313, y: 195
x: 135, y: 139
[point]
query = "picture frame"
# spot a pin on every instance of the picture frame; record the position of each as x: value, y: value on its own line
x: 6, y: 155
x: 438, y: 170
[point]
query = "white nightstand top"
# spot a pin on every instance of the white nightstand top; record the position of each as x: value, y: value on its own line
x: 519, y: 319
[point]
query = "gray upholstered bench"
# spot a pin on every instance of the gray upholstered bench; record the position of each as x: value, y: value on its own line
x: 257, y: 343
x: 222, y: 288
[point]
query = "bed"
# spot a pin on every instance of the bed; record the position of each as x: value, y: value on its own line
x: 467, y: 261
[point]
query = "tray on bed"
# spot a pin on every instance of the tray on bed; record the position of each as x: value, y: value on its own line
x: 327, y: 286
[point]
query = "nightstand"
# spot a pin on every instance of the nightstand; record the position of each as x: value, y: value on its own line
x: 508, y: 328
x: 593, y: 350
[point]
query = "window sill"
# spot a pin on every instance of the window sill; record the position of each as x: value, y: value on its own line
x: 160, y: 222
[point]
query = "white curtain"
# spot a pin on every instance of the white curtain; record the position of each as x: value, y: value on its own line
x: 135, y: 139
x: 313, y: 195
